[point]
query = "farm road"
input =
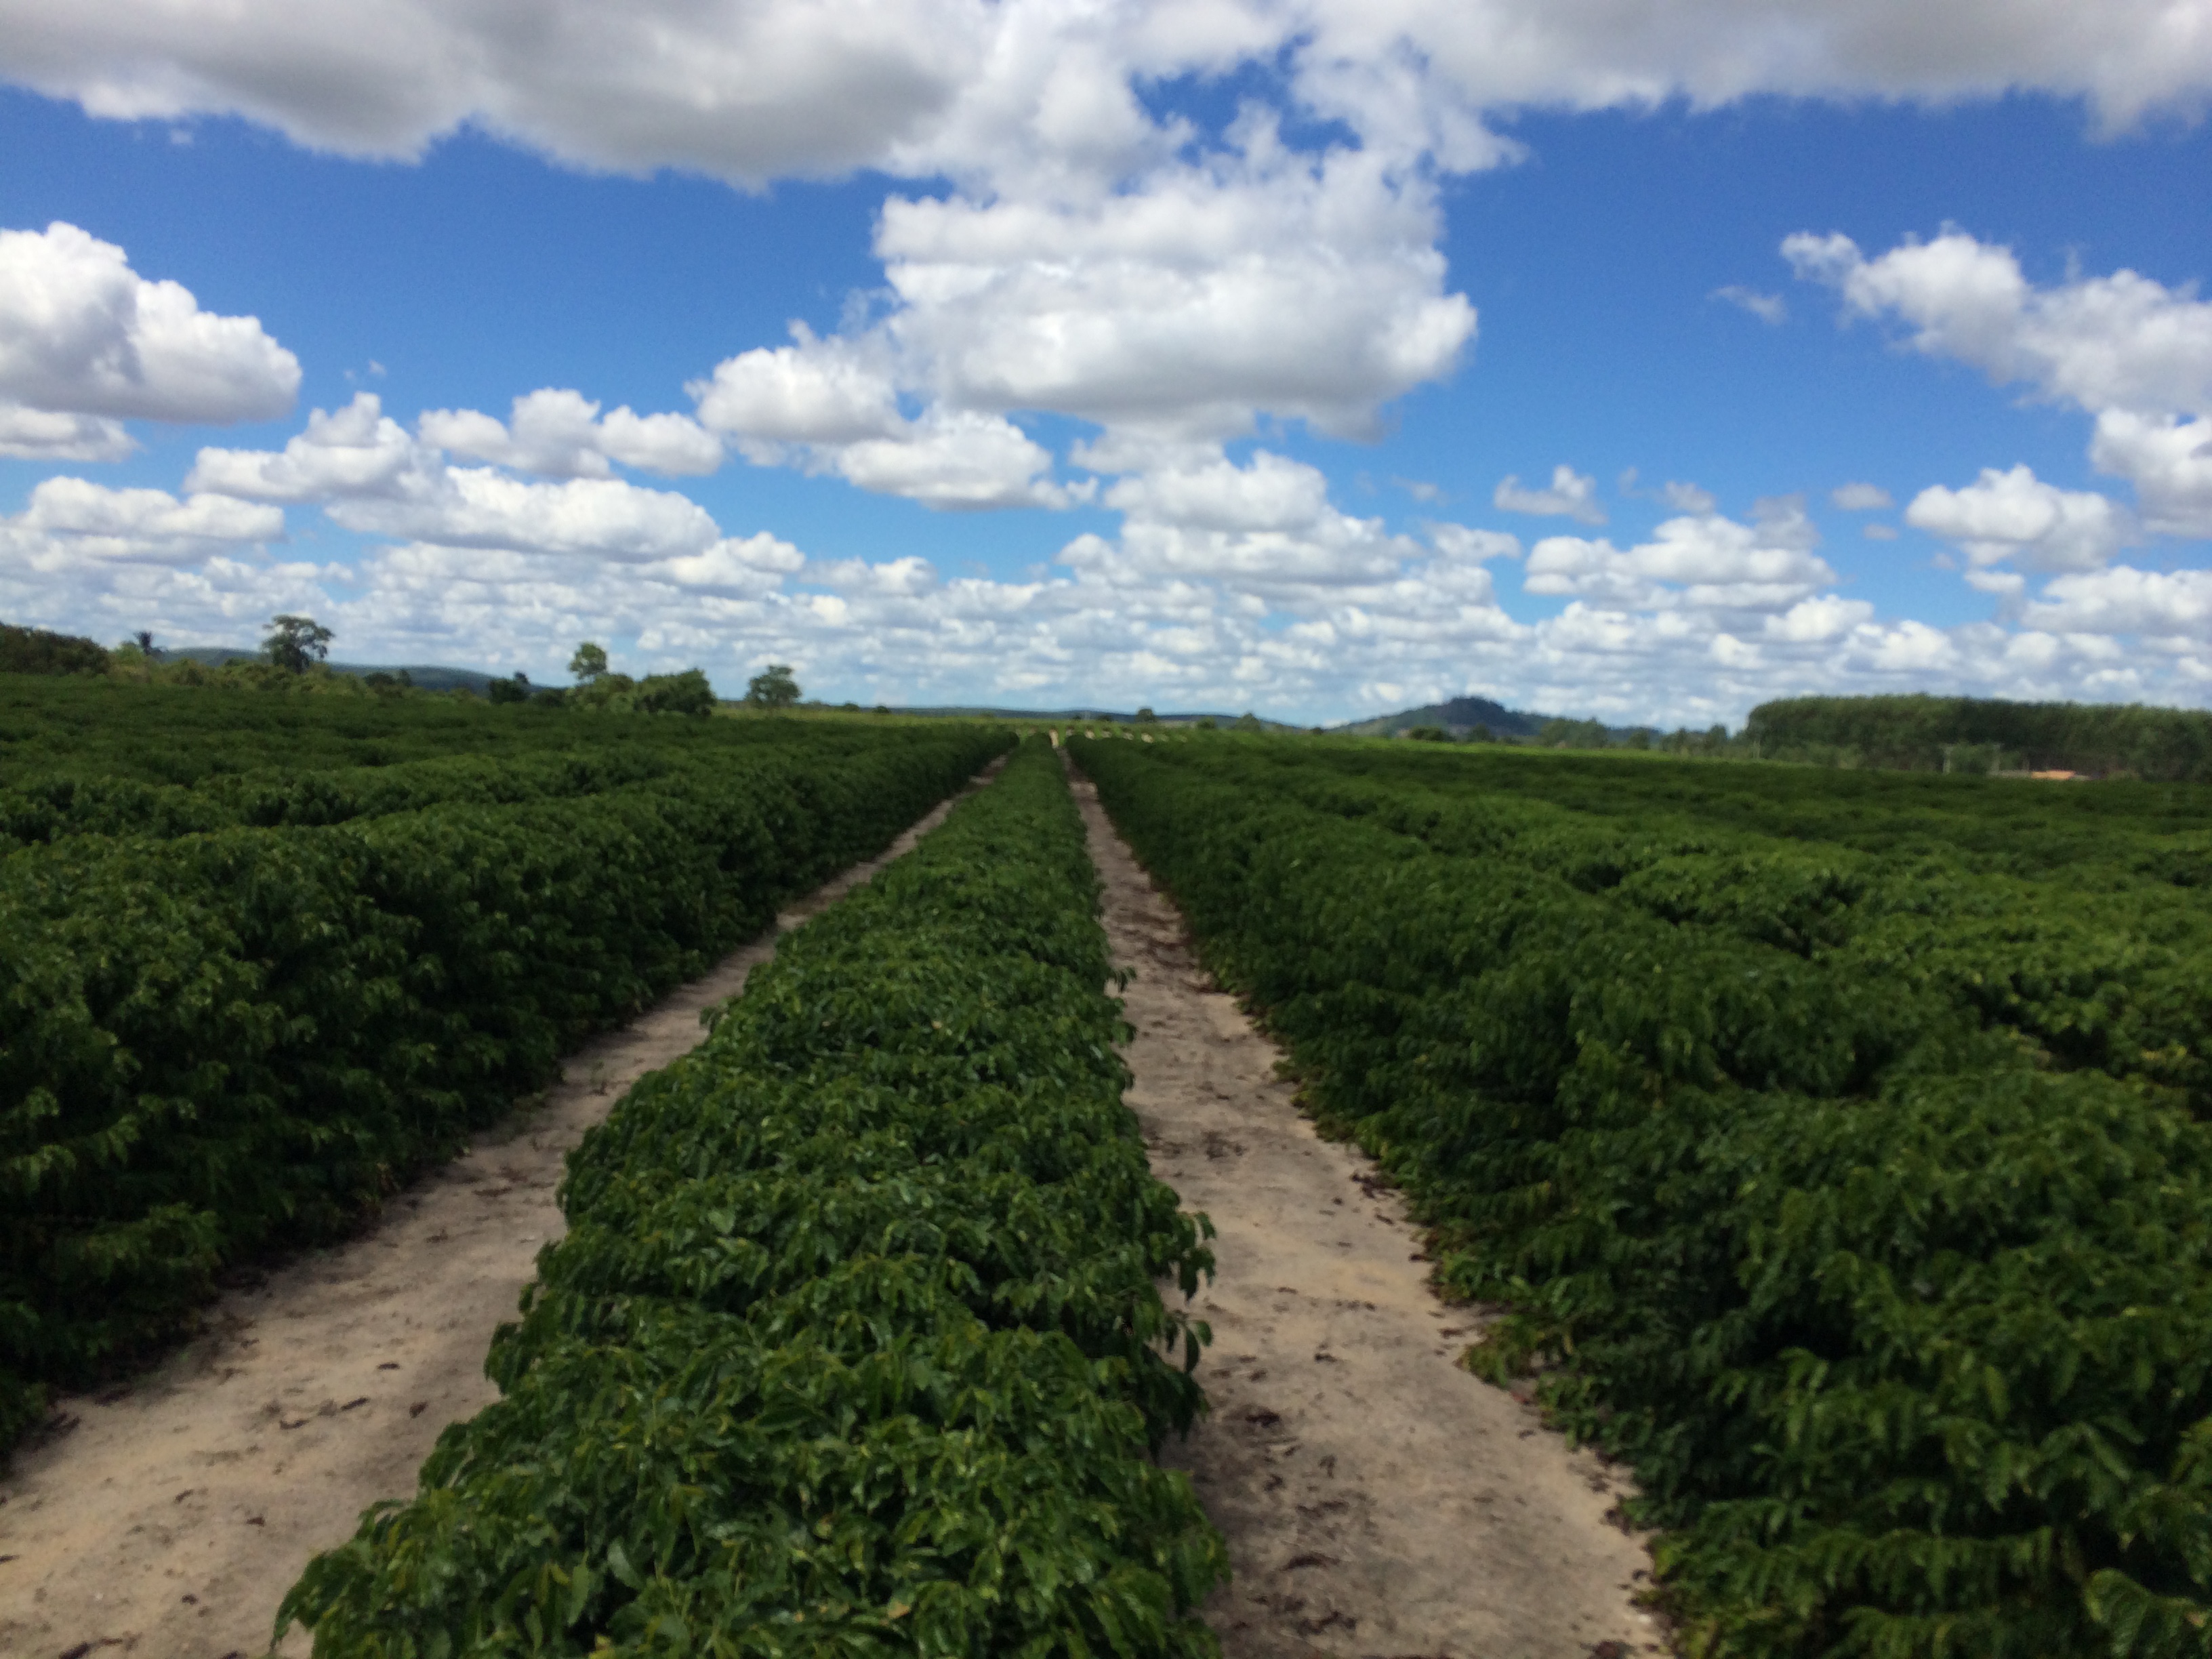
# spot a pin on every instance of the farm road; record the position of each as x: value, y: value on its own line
x: 1378, y: 1499
x: 172, y: 1518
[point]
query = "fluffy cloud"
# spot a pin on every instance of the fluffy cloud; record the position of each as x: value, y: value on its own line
x: 1813, y: 621
x: 69, y: 520
x: 1704, y: 562
x: 2168, y: 460
x: 356, y: 451
x: 2015, y: 517
x: 1271, y: 493
x: 812, y: 392
x: 2116, y: 342
x: 1267, y: 527
x: 1435, y: 66
x: 2132, y: 351
x: 1572, y: 495
x: 1471, y: 546
x: 558, y: 433
x: 1165, y: 308
x: 39, y: 434
x: 752, y: 92
x: 958, y: 460
x: 744, y: 91
x: 370, y: 475
x: 86, y: 343
x: 1186, y: 614
x: 833, y: 406
x: 2159, y: 605
x: 599, y: 517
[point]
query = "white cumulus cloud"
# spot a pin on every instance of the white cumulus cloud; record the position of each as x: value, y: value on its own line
x: 2116, y: 342
x: 1571, y: 495
x: 751, y: 92
x: 2125, y: 600
x: 86, y: 343
x: 2133, y: 352
x: 558, y: 432
x: 957, y: 461
x: 2015, y: 516
x: 813, y: 391
x: 2168, y: 460
x: 1704, y: 563
x: 41, y: 434
x: 1169, y: 308
x: 68, y: 521
x: 355, y: 451
x: 369, y: 474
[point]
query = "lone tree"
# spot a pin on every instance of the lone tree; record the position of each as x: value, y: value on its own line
x: 143, y: 639
x: 589, y: 662
x: 296, y: 643
x: 772, y: 688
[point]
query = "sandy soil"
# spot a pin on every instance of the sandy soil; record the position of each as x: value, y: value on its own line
x: 169, y: 1517
x: 1378, y: 1499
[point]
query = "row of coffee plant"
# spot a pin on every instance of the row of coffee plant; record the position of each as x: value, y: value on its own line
x: 107, y: 758
x: 854, y: 1346
x: 1862, y: 1200
x: 212, y: 1044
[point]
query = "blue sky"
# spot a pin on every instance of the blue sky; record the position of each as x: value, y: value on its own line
x: 1319, y: 360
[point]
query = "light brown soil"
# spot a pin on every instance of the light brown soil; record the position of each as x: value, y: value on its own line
x: 1378, y: 1499
x: 173, y: 1515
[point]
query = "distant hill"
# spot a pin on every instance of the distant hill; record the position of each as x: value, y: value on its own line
x: 430, y: 677
x: 1459, y: 716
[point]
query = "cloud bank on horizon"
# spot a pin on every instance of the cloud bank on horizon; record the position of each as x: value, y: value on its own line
x: 1160, y: 279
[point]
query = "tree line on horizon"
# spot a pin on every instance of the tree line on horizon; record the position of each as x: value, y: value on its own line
x: 1916, y: 732
x: 294, y: 657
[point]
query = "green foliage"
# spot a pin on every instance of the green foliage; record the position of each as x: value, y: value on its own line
x: 296, y: 643
x: 1574, y: 734
x: 1835, y: 1142
x: 514, y: 690
x: 854, y: 1345
x: 37, y: 651
x: 773, y: 688
x: 233, y: 1012
x: 589, y: 662
x: 687, y: 693
x: 1946, y: 734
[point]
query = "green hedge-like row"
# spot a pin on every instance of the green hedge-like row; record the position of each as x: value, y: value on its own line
x: 270, y: 797
x: 854, y: 1346
x: 1894, y: 1280
x: 2051, y: 911
x: 215, y: 1042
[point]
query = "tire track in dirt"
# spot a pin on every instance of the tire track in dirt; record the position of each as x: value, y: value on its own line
x: 171, y: 1514
x: 1378, y: 1499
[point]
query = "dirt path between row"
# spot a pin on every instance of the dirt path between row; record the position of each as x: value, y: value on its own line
x: 170, y: 1520
x: 1378, y: 1499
